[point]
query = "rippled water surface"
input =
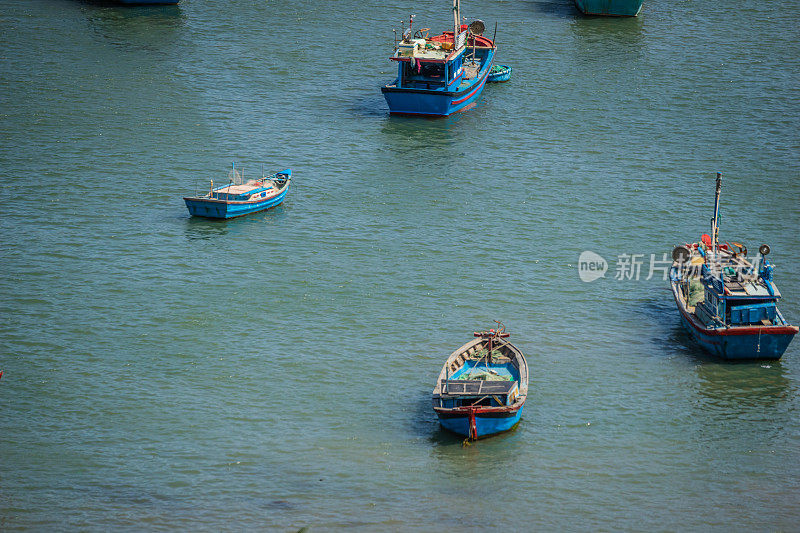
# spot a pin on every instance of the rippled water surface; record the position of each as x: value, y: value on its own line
x: 275, y: 371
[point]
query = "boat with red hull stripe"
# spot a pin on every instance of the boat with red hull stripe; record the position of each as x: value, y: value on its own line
x: 442, y: 74
x: 482, y: 387
x: 727, y: 301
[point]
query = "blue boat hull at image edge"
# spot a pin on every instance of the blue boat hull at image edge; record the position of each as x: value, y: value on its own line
x: 617, y: 8
x: 221, y: 209
x: 485, y: 425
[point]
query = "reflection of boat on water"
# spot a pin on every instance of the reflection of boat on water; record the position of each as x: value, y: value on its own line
x: 727, y: 302
x: 240, y: 196
x: 742, y: 387
x: 482, y: 387
x: 615, y: 8
x: 442, y: 74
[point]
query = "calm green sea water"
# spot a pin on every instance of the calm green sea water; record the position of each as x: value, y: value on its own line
x: 163, y: 372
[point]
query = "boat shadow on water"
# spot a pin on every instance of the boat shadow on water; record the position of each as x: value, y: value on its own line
x: 624, y: 36
x: 147, y: 28
x: 668, y: 336
x: 168, y: 11
x: 369, y: 106
x: 198, y: 228
x: 727, y: 389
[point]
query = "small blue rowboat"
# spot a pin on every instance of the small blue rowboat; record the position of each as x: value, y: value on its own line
x: 482, y: 387
x: 499, y: 73
x: 240, y: 197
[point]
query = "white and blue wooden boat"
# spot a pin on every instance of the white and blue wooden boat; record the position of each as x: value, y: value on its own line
x: 240, y: 196
x: 613, y: 8
x: 482, y: 387
x: 727, y: 302
x: 499, y: 73
x: 443, y: 74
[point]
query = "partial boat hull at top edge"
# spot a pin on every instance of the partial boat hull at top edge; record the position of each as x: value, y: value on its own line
x: 614, y: 8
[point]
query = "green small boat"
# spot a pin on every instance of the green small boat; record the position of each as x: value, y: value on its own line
x: 499, y: 73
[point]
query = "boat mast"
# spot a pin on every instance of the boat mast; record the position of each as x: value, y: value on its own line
x: 456, y: 22
x: 715, y: 220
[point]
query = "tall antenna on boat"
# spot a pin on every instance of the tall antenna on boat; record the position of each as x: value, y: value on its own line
x: 715, y: 220
x: 456, y: 22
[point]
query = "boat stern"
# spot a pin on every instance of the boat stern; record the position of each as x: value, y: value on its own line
x: 479, y: 423
x: 416, y: 101
x: 202, y: 207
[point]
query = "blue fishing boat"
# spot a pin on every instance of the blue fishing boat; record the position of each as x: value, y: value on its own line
x: 499, y: 73
x: 443, y: 74
x: 614, y: 8
x: 727, y: 302
x: 482, y: 387
x: 240, y: 196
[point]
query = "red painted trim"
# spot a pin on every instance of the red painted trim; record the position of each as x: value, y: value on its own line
x: 232, y: 202
x: 465, y: 410
x: 473, y: 426
x: 408, y: 59
x: 476, y: 89
x: 409, y: 114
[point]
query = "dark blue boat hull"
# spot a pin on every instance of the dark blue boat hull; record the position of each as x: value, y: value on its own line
x: 732, y: 345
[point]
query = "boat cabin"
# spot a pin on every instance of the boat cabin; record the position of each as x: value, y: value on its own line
x: 736, y: 294
x: 435, y: 63
x: 426, y: 65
